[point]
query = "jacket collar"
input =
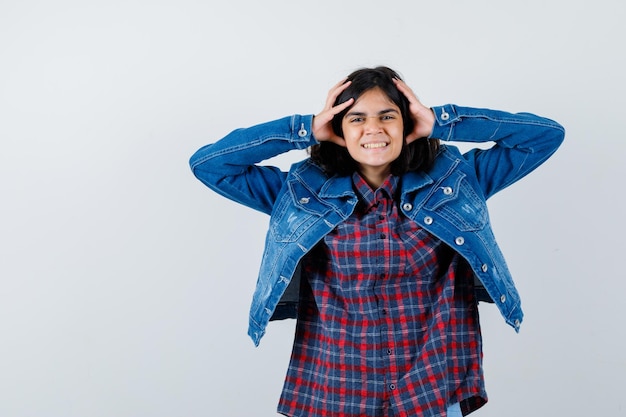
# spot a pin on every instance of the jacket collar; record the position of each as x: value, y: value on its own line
x: 337, y: 187
x: 413, y: 181
x: 341, y: 186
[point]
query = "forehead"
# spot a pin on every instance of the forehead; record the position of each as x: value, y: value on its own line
x: 374, y: 98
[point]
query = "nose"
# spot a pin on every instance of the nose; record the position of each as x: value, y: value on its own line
x: 373, y: 125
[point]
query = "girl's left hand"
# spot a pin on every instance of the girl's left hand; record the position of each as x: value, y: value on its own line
x: 423, y: 117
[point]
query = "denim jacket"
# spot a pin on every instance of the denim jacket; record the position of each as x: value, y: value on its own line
x: 449, y: 200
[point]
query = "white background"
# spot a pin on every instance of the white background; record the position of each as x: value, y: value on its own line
x: 125, y: 283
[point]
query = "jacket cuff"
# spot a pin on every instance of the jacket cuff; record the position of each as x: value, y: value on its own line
x: 445, y: 116
x: 302, y: 131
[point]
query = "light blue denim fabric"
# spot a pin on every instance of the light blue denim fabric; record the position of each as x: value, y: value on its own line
x: 449, y: 200
x: 454, y: 410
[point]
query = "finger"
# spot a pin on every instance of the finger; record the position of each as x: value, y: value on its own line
x: 336, y: 91
x: 328, y: 114
x: 339, y: 84
x: 406, y: 90
x: 342, y: 106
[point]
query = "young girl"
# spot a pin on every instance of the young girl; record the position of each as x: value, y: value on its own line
x: 380, y: 243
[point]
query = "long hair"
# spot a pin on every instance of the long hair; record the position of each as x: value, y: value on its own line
x: 416, y: 156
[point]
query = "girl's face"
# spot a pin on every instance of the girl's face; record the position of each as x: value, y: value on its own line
x: 374, y: 134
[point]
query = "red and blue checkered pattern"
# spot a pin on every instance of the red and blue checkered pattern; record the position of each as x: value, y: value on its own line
x: 388, y: 321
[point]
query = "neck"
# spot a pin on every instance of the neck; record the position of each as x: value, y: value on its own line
x: 375, y: 178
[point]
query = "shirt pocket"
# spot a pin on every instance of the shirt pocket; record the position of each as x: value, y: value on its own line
x: 455, y: 200
x: 418, y: 252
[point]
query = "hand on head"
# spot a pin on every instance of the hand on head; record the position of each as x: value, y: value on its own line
x: 322, y: 127
x: 423, y: 116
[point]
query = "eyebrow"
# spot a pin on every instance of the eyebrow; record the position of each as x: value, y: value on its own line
x: 358, y: 113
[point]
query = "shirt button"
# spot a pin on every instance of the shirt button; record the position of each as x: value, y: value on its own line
x: 502, y: 298
x: 447, y: 190
x: 383, y: 236
x: 484, y: 268
x: 459, y: 240
x: 392, y: 386
x: 428, y: 220
x: 407, y: 206
x: 389, y: 351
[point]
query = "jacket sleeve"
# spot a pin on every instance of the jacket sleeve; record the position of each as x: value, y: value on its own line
x: 231, y: 167
x: 522, y: 142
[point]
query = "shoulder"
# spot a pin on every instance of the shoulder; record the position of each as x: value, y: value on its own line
x: 448, y: 157
x: 307, y: 171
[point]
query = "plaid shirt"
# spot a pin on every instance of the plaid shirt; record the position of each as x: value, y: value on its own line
x: 387, y: 323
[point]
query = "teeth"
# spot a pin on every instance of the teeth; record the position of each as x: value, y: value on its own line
x: 374, y: 145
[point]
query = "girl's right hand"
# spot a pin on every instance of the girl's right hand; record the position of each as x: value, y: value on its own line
x: 322, y: 128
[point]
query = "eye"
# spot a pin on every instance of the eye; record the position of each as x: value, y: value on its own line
x: 356, y: 119
x: 388, y: 117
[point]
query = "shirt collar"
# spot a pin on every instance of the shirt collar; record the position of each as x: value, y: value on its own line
x: 368, y: 196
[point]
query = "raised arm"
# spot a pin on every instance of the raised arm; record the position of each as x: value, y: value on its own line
x: 230, y: 165
x: 521, y: 141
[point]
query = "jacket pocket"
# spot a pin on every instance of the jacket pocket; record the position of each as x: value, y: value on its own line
x: 297, y: 211
x: 456, y: 201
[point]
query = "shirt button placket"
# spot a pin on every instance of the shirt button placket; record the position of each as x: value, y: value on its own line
x: 384, y: 245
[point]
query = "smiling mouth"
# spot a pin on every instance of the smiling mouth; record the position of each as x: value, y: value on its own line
x: 376, y: 145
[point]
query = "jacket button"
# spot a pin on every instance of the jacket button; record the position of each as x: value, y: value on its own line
x: 428, y: 220
x: 502, y: 298
x: 447, y: 190
x: 444, y: 115
x: 302, y: 132
x: 517, y: 323
x: 407, y: 206
x: 304, y: 200
x: 459, y: 240
x: 484, y: 267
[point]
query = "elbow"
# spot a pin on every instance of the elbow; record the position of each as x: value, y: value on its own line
x: 199, y: 162
x: 550, y: 138
x: 194, y: 164
x: 557, y: 136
